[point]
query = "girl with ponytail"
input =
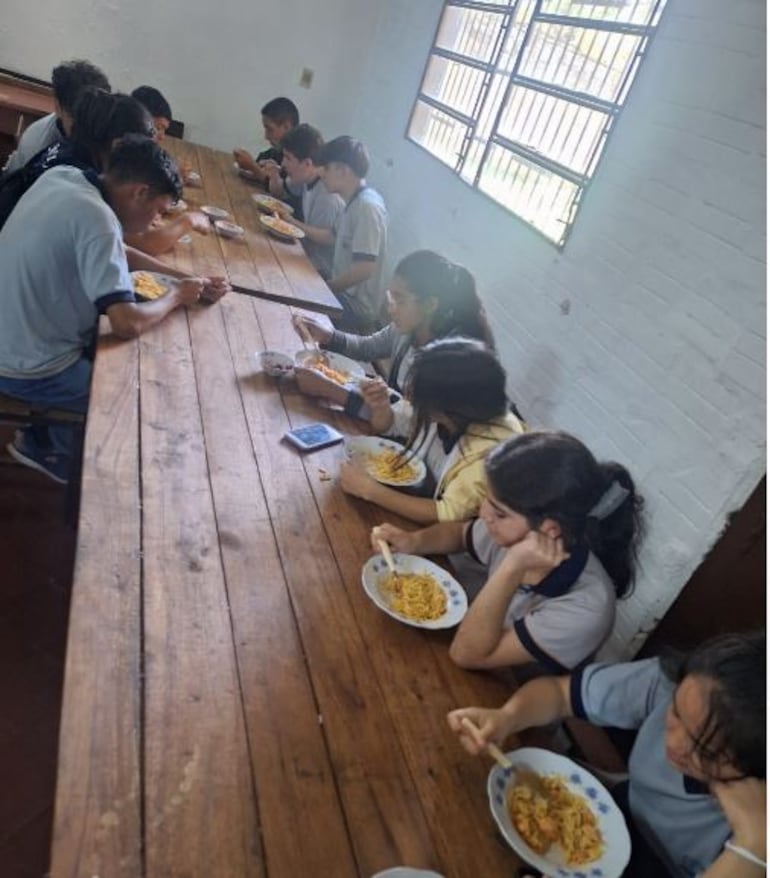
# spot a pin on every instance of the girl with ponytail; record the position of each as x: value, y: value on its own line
x: 557, y: 535
x: 429, y: 298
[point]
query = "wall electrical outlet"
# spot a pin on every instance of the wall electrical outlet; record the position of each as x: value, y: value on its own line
x: 306, y: 78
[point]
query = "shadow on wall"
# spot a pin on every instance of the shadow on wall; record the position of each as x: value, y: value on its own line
x: 540, y: 383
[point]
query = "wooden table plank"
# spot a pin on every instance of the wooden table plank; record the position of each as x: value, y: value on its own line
x: 385, y: 821
x: 301, y: 818
x: 200, y: 813
x: 97, y: 816
x: 418, y: 681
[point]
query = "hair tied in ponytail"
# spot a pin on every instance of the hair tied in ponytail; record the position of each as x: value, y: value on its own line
x: 610, y: 501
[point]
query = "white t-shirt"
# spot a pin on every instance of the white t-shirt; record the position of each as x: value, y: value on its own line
x: 37, y: 136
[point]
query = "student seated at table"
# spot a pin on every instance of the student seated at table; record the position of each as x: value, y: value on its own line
x: 695, y: 798
x: 279, y: 116
x: 100, y: 118
x: 460, y: 413
x: 556, y: 537
x: 320, y: 208
x: 64, y: 263
x: 360, y: 238
x: 429, y: 297
x: 157, y: 106
x: 68, y: 80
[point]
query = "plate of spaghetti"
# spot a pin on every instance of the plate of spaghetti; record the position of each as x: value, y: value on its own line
x: 268, y: 204
x: 387, y: 461
x: 341, y: 370
x: 280, y: 228
x: 150, y: 285
x: 421, y: 594
x: 571, y: 828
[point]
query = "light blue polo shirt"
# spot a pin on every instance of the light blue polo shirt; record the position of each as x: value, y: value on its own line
x: 37, y: 136
x: 677, y: 816
x: 320, y: 208
x: 63, y: 262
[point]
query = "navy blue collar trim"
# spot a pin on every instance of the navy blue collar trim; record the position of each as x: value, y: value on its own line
x: 313, y: 184
x: 355, y: 195
x: 695, y: 787
x: 561, y: 580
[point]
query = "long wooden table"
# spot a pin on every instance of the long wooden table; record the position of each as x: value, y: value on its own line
x: 234, y: 705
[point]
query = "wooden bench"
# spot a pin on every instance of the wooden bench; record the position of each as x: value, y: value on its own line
x: 16, y: 411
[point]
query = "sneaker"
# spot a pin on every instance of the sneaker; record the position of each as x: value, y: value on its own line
x: 51, y: 465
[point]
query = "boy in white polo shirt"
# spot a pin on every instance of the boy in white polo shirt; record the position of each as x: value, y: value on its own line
x: 321, y: 209
x: 68, y: 80
x: 360, y: 237
x: 695, y: 798
x: 64, y: 263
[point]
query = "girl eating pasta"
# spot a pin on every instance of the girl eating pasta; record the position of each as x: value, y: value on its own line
x: 695, y: 798
x: 460, y: 412
x: 429, y: 298
x: 556, y: 538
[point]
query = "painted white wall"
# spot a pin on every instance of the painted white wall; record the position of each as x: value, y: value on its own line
x: 217, y: 61
x: 646, y: 336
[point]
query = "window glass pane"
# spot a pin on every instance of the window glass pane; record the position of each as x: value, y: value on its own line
x: 625, y: 11
x: 581, y: 59
x: 456, y: 85
x: 538, y: 196
x: 560, y: 130
x: 470, y: 32
x: 438, y: 132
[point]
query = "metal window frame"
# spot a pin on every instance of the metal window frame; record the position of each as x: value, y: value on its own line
x: 612, y: 109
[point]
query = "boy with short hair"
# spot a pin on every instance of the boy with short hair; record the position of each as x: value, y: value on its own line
x: 279, y: 116
x: 68, y: 80
x: 64, y: 263
x: 157, y: 106
x: 360, y: 236
x: 321, y: 209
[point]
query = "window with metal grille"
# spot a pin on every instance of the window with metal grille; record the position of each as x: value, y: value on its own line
x: 519, y: 96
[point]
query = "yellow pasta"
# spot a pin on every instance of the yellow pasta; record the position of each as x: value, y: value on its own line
x: 562, y: 818
x: 146, y: 285
x: 390, y: 465
x: 324, y: 368
x: 415, y: 596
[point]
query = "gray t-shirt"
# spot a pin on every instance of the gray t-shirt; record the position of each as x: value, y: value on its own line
x: 37, y: 136
x: 566, y: 618
x: 362, y: 233
x: 63, y: 262
x: 678, y: 817
x: 320, y: 208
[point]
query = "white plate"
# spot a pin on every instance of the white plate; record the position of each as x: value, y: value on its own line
x: 165, y: 279
x: 215, y: 213
x: 228, y: 230
x: 277, y: 226
x: 376, y: 569
x: 362, y: 445
x: 617, y: 844
x: 353, y: 369
x: 179, y: 207
x: 193, y: 178
x: 269, y: 204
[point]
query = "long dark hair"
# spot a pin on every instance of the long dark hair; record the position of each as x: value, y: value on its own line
x: 553, y: 475
x: 456, y: 377
x: 100, y: 118
x: 734, y: 727
x: 459, y: 310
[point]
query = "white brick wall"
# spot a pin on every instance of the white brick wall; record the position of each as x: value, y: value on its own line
x: 660, y: 361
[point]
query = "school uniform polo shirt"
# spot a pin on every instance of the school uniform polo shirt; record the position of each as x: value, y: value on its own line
x: 362, y: 234
x: 562, y: 621
x: 63, y: 263
x: 40, y: 134
x: 323, y: 209
x: 682, y: 823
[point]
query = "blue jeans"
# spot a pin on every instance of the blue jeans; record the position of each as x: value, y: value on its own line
x: 67, y: 390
